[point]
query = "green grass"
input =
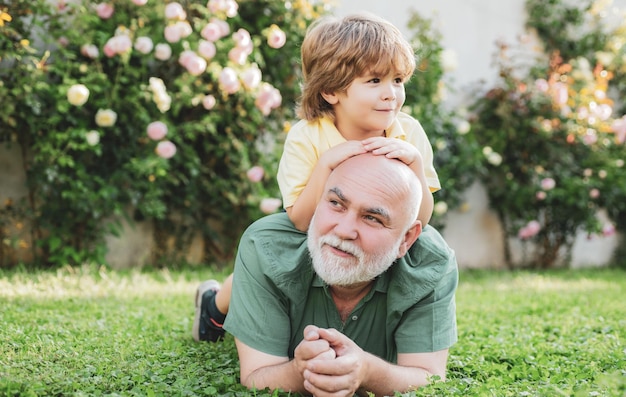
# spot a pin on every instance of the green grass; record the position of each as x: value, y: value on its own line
x: 96, y: 332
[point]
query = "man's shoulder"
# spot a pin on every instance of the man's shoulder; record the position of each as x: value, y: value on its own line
x: 432, y: 244
x: 429, y: 264
x: 279, y: 247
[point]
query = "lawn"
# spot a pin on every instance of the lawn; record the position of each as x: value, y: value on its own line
x: 93, y: 331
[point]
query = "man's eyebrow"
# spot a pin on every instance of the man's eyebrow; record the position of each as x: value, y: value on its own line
x: 338, y: 193
x: 378, y: 211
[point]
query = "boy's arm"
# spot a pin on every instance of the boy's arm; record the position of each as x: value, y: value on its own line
x: 408, y: 154
x: 303, y: 208
x: 428, y: 202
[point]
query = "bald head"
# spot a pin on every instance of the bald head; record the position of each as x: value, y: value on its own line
x: 390, y: 180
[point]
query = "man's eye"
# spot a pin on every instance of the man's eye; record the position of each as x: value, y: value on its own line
x: 371, y: 218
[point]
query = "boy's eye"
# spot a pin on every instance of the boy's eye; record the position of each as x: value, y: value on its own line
x: 375, y: 80
x: 399, y: 80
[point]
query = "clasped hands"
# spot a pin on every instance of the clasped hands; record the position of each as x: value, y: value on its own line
x: 330, y: 362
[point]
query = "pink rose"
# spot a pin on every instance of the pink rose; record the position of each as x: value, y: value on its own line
x: 251, y: 77
x: 105, y: 10
x: 172, y: 34
x: 531, y: 229
x: 540, y: 195
x: 229, y: 7
x: 242, y: 38
x: 165, y: 149
x: 156, y: 130
x: 608, y: 230
x: 117, y: 45
x: 619, y: 128
x: 594, y: 193
x: 185, y: 57
x: 238, y: 55
x: 175, y: 11
x: 89, y: 51
x: 209, y: 102
x: 255, y: 174
x: 268, y: 98
x: 223, y: 25
x: 229, y: 81
x: 276, y: 38
x: 185, y: 28
x: 108, y: 50
x: 140, y: 2
x: 144, y: 44
x: 270, y: 205
x: 560, y: 94
x: 548, y: 183
x: 196, y: 65
x: 206, y: 49
x: 162, y: 51
x: 603, y: 111
x: 211, y: 32
x: 590, y: 137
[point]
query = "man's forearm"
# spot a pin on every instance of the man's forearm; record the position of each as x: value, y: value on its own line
x: 284, y: 376
x: 385, y: 379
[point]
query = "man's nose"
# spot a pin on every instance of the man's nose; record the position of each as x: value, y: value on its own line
x: 346, y: 227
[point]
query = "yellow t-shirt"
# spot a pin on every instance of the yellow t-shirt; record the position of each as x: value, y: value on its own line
x: 306, y: 141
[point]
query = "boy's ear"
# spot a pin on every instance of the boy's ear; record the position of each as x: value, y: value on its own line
x: 330, y: 97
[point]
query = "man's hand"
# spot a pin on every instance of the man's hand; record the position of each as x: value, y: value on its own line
x: 393, y: 149
x: 341, y: 376
x: 312, y: 348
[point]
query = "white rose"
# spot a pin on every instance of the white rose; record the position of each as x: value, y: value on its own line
x: 441, y: 208
x: 77, y: 95
x: 92, y: 137
x: 449, y: 61
x: 463, y: 127
x: 106, y: 117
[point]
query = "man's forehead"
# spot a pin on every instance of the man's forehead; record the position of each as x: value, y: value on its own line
x: 372, y: 202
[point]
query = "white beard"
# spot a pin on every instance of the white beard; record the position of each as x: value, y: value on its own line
x: 343, y: 271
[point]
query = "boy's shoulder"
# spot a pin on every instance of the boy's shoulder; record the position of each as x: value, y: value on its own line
x: 406, y: 127
x: 405, y: 118
x: 312, y: 129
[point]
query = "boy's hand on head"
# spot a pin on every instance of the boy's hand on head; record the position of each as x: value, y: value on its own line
x: 394, y: 149
x: 338, y: 154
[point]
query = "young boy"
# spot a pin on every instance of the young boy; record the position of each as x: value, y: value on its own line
x: 354, y: 70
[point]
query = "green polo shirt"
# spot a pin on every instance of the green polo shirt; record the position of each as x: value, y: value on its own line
x: 276, y: 294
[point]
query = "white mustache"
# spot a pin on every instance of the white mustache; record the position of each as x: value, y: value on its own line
x: 342, y: 245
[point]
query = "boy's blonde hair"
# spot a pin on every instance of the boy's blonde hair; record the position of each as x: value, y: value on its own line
x: 337, y: 51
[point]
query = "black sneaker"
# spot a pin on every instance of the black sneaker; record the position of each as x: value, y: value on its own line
x: 204, y: 327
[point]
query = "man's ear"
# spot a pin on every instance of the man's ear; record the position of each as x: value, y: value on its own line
x: 409, y: 238
x: 330, y: 97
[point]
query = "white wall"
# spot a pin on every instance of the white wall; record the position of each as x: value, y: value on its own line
x: 471, y: 28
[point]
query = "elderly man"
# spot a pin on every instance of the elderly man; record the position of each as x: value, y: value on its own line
x: 342, y: 311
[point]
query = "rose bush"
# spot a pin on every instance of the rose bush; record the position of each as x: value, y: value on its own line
x: 551, y: 138
x: 150, y: 110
